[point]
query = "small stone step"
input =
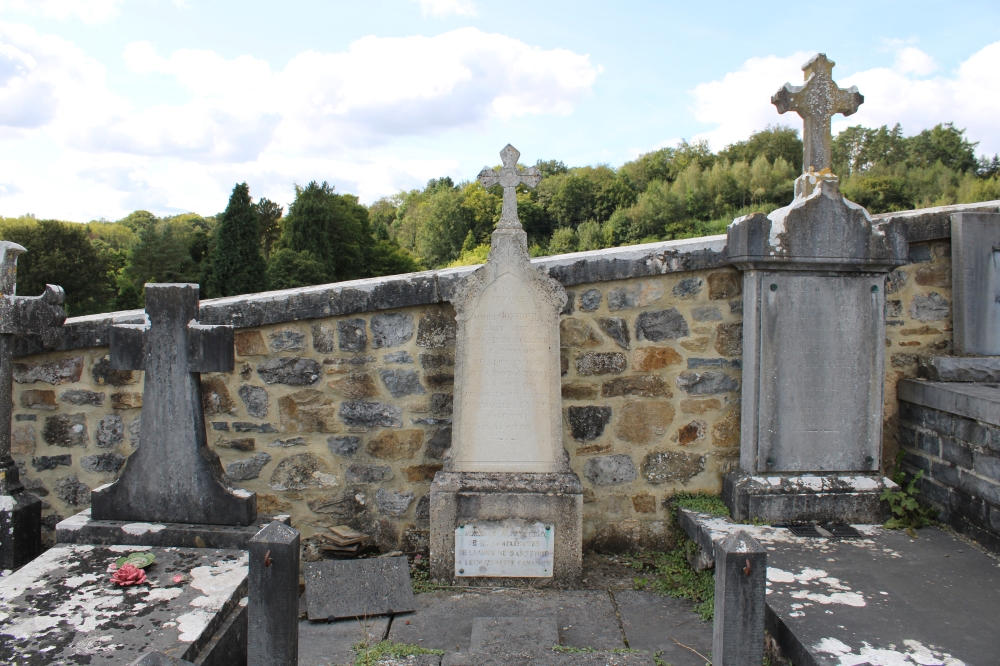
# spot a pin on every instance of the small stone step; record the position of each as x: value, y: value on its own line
x: 514, y: 635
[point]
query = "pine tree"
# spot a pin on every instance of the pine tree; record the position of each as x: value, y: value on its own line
x: 237, y: 265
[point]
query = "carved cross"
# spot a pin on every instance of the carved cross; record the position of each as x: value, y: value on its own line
x: 20, y: 315
x: 509, y: 177
x: 817, y: 101
x: 173, y: 476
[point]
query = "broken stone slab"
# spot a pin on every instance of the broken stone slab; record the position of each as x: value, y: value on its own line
x: 62, y: 607
x: 959, y: 368
x: 338, y: 589
x: 83, y: 529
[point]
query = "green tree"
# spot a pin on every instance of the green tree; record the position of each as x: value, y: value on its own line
x: 771, y: 143
x: 945, y: 144
x: 268, y: 224
x: 288, y: 269
x: 237, y: 264
x: 333, y: 227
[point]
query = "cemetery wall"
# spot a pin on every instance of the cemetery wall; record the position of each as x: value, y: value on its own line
x: 339, y: 408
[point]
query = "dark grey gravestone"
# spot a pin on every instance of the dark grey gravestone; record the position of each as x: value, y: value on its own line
x: 174, y: 476
x: 740, y: 589
x: 975, y: 253
x: 20, y: 512
x: 273, y: 608
x: 61, y: 608
x: 358, y: 588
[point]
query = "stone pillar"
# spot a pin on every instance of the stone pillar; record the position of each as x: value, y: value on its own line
x: 740, y: 589
x: 273, y: 609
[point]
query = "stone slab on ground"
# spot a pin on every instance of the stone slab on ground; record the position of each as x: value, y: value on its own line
x: 62, y: 608
x: 331, y: 643
x: 512, y: 634
x: 654, y: 623
x: 880, y: 598
x: 358, y: 588
x: 83, y: 529
x: 444, y: 619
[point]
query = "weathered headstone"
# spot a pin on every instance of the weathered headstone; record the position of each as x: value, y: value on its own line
x: 813, y: 331
x: 740, y: 590
x: 174, y: 476
x: 358, y: 588
x: 975, y: 265
x: 20, y: 512
x: 507, y: 461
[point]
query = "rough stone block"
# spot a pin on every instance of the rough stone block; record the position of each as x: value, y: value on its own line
x: 302, y: 471
x: 729, y: 339
x: 362, y: 473
x: 391, y: 329
x: 401, y: 356
x: 396, y: 444
x: 610, y: 470
x: 343, y: 446
x: 688, y: 287
x: 650, y: 386
x: 645, y: 359
x: 438, y: 443
x: 43, y: 463
x: 660, y: 467
x: 635, y: 295
x: 394, y: 502
x: 291, y: 370
x: 64, y: 371
x: 65, y: 430
x: 102, y: 463
x: 616, y: 328
x: 658, y: 325
x: 590, y: 300
x: 643, y: 422
x: 249, y: 468
x: 929, y: 307
x: 39, y: 399
x: 323, y: 337
x: 959, y: 369
x: 723, y: 286
x: 127, y: 400
x: 601, y: 363
x: 401, y: 383
x: 579, y: 391
x: 706, y: 383
x: 587, y: 423
x: 437, y: 328
x: 215, y: 397
x: 249, y: 343
x: 371, y: 414
x: 255, y: 399
x: 286, y: 340
x: 578, y: 333
x: 82, y: 397
x: 706, y: 313
x: 352, y: 335
x: 357, y: 385
x: 307, y: 410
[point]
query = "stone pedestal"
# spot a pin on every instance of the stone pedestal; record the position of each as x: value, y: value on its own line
x: 467, y: 498
x: 813, y: 371
x: 20, y: 529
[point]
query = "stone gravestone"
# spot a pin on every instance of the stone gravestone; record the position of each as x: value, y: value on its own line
x: 975, y: 265
x: 20, y: 512
x: 173, y: 490
x: 507, y: 508
x: 813, y: 332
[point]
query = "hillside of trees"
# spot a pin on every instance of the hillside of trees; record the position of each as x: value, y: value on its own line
x: 679, y: 192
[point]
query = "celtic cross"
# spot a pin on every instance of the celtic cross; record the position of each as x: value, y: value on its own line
x: 509, y: 177
x: 816, y: 102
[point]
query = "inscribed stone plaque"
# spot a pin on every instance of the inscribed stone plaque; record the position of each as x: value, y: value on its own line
x: 975, y: 257
x: 358, y: 588
x: 507, y: 376
x: 504, y: 549
x: 820, y: 362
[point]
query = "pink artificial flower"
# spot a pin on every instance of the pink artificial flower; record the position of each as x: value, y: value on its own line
x: 129, y: 574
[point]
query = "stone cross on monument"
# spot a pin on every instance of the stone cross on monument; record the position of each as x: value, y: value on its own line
x: 20, y: 512
x: 173, y: 477
x: 509, y: 177
x: 816, y: 102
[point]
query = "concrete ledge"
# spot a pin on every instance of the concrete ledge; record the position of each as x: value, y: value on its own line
x: 927, y: 224
x: 959, y: 368
x: 979, y: 402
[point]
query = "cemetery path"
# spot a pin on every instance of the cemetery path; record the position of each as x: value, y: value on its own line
x: 881, y: 599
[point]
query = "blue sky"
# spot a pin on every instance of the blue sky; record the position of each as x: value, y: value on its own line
x: 107, y: 106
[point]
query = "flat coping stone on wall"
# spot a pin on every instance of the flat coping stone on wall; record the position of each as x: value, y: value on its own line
x: 959, y: 368
x: 66, y: 587
x: 926, y: 224
x: 867, y: 586
x: 979, y: 402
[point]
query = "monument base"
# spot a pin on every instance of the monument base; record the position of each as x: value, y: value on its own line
x: 459, y: 499
x: 83, y: 529
x: 20, y: 529
x: 827, y: 498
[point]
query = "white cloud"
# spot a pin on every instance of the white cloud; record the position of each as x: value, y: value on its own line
x: 440, y: 8
x: 323, y: 115
x: 89, y: 11
x: 739, y: 103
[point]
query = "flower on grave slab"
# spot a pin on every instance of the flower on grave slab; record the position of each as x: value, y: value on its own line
x: 128, y: 574
x: 178, y: 578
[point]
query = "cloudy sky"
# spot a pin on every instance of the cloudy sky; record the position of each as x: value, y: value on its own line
x: 107, y: 106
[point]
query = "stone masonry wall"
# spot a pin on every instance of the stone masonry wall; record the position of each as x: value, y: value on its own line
x: 339, y: 409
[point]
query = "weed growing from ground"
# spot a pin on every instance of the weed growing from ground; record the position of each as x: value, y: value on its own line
x: 907, y: 513
x: 369, y: 655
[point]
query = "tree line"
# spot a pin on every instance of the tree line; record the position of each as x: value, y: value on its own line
x: 678, y: 192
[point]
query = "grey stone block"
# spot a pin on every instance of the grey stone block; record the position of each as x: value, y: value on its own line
x: 391, y: 329
x: 615, y: 328
x: 371, y: 414
x: 21, y: 524
x: 273, y: 597
x: 959, y: 369
x: 249, y: 468
x: 601, y: 363
x: 402, y: 382
x: 706, y: 383
x: 323, y: 338
x: 955, y: 452
x: 358, y: 588
x: 987, y: 465
x: 590, y: 300
x: 393, y: 502
x: 588, y: 422
x: 740, y: 590
x: 362, y: 473
x: 82, y: 397
x: 688, y: 287
x: 65, y: 430
x: 290, y: 370
x: 110, y: 432
x: 286, y: 339
x: 658, y: 325
x: 256, y: 400
x: 43, y: 463
x: 706, y: 313
x: 610, y: 470
x: 102, y: 463
x: 398, y: 357
x: 352, y: 336
x: 343, y: 446
x: 929, y: 307
x: 438, y: 443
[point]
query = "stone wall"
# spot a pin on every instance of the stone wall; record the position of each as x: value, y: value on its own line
x: 339, y: 409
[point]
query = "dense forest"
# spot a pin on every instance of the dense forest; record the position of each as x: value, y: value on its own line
x: 679, y: 192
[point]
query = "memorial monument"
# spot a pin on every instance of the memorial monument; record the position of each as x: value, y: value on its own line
x: 20, y: 512
x: 173, y: 490
x: 507, y: 507
x: 814, y: 322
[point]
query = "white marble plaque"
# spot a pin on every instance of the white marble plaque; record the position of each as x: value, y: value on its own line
x: 504, y: 549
